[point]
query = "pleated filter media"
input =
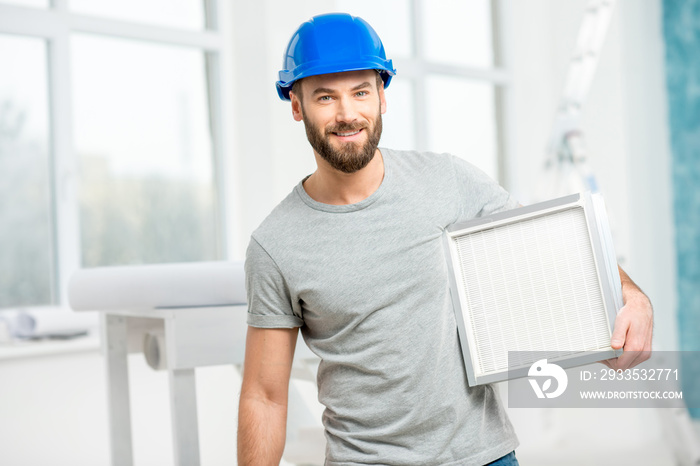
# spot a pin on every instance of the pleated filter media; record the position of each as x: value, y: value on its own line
x: 539, y: 281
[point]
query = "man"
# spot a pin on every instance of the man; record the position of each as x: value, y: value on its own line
x: 353, y: 257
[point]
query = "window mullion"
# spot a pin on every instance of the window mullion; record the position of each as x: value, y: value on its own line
x: 419, y: 86
x: 218, y: 74
x: 504, y: 94
x: 28, y: 21
x: 212, y: 10
x: 206, y: 40
x: 64, y: 167
x: 416, y: 66
x: 214, y: 88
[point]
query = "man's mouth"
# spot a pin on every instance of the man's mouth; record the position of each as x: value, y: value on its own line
x: 349, y: 133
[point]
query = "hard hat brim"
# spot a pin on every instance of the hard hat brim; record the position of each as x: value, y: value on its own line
x: 289, y: 77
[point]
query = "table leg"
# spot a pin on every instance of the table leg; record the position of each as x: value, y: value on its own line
x: 114, y: 330
x: 183, y: 406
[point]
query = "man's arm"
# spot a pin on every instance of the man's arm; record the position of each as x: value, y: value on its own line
x: 633, y: 326
x: 262, y: 412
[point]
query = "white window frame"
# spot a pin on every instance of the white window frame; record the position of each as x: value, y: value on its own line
x: 417, y: 68
x: 55, y: 25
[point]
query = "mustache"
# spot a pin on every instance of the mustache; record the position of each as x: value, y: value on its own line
x: 345, y: 127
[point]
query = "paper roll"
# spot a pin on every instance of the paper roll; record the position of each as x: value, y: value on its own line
x: 196, y: 284
x: 37, y: 323
x: 154, y: 350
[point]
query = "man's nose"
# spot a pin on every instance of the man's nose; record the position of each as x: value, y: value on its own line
x: 347, y: 110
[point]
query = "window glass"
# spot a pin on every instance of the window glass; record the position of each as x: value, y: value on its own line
x: 29, y: 3
x: 391, y: 19
x: 458, y: 32
x: 398, y: 121
x: 26, y: 238
x: 143, y: 140
x: 462, y: 120
x: 186, y: 14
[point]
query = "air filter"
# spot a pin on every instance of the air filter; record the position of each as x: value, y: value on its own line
x: 538, y: 281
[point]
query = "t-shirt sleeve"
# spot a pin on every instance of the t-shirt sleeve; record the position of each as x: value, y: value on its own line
x: 480, y: 195
x: 269, y: 298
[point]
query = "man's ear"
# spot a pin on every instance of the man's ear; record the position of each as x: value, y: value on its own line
x: 297, y: 111
x: 382, y: 99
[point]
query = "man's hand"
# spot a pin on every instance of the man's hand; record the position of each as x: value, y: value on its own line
x: 633, y: 327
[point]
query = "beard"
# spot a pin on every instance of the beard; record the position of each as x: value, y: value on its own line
x: 350, y: 156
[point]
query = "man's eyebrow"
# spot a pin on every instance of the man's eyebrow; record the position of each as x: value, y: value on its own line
x: 322, y: 90
x: 361, y: 86
x: 325, y: 90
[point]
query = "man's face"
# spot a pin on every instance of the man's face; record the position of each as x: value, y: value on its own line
x: 342, y: 114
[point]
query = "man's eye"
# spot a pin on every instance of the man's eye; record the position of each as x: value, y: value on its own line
x: 362, y: 93
x: 324, y: 98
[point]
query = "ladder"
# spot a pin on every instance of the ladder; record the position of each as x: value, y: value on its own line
x: 566, y: 167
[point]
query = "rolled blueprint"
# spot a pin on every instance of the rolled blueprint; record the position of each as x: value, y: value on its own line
x: 162, y: 286
x: 38, y: 323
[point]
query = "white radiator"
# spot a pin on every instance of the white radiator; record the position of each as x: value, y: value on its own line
x: 538, y: 281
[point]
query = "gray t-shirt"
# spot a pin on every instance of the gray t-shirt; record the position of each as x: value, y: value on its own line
x: 367, y: 283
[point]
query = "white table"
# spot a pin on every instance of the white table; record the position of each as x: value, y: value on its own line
x: 194, y: 337
x: 190, y: 305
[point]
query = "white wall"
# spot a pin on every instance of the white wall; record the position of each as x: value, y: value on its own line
x: 273, y: 154
x: 625, y: 126
x: 52, y: 408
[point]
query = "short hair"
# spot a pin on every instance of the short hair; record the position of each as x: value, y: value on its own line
x: 296, y: 87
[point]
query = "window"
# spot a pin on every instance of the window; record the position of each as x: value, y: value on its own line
x: 110, y: 139
x: 123, y: 109
x: 144, y: 152
x: 26, y: 239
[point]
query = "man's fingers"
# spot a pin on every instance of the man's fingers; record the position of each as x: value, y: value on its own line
x: 617, y: 340
x: 619, y: 335
x: 632, y: 332
x: 637, y: 345
x: 636, y: 342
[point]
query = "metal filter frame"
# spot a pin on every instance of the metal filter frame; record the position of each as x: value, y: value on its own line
x: 608, y: 280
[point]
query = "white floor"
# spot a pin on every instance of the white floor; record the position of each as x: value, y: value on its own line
x: 52, y: 411
x: 591, y: 437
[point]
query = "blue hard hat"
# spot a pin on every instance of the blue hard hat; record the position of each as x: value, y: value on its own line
x: 332, y: 43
